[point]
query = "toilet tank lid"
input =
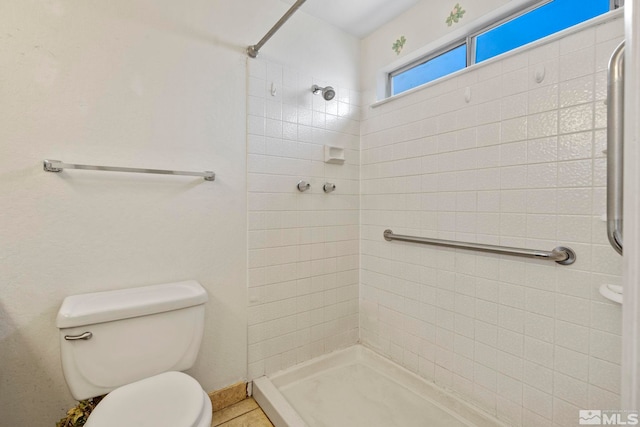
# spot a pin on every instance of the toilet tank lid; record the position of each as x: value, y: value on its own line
x: 99, y: 307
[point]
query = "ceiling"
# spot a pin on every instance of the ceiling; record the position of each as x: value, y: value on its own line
x: 357, y: 17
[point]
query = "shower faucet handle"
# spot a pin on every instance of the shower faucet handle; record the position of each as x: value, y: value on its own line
x: 303, y: 186
x: 328, y: 187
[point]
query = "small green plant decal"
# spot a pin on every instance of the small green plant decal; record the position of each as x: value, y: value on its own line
x: 398, y: 45
x: 78, y: 415
x: 456, y: 15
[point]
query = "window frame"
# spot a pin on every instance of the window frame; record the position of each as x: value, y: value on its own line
x: 466, y: 35
x: 496, y: 23
x: 423, y: 60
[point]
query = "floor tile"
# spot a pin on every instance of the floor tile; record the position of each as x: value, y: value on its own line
x: 234, y: 411
x: 255, y: 418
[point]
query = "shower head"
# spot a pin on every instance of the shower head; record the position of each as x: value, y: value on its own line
x: 328, y: 93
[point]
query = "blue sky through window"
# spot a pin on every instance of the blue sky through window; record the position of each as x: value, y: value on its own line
x: 447, y: 63
x: 545, y: 20
x: 538, y: 23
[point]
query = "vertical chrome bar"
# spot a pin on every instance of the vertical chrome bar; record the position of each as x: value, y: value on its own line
x: 615, y: 139
x: 252, y: 51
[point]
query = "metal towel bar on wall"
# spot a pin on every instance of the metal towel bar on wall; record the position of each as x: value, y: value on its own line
x: 562, y: 255
x: 58, y: 166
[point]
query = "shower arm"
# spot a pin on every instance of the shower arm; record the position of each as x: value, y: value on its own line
x: 252, y: 51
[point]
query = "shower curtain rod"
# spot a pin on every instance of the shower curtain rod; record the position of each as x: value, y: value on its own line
x: 252, y: 51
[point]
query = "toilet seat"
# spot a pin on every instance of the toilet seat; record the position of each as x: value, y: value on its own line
x: 171, y: 399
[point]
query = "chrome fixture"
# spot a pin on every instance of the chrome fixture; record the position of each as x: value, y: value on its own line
x: 252, y: 51
x: 328, y: 187
x: 328, y: 93
x: 615, y: 139
x: 85, y: 336
x: 562, y: 255
x: 303, y: 186
x: 58, y: 166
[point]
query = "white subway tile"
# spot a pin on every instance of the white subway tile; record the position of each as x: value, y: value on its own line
x: 542, y: 125
x: 577, y: 173
x: 565, y: 413
x: 577, y: 91
x: 577, y: 63
x: 610, y: 30
x: 514, y: 82
x: 572, y: 336
x: 576, y: 119
x: 572, y: 309
x: 570, y: 389
x: 538, y: 377
x: 537, y: 402
x: 543, y: 99
x: 508, y: 340
x: 549, y: 70
x: 513, y: 177
x: 539, y: 327
x: 577, y: 41
x: 605, y: 346
x: 571, y: 363
x: 514, y: 129
x: 538, y: 352
x: 509, y: 411
x: 544, y: 52
x: 606, y: 316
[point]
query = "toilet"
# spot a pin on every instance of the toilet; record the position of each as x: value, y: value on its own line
x: 132, y: 344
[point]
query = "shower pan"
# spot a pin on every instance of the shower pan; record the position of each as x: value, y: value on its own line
x: 357, y: 388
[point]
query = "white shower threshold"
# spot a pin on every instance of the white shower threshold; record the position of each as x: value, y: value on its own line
x: 356, y: 387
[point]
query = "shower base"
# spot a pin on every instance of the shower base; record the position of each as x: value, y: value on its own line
x: 356, y: 387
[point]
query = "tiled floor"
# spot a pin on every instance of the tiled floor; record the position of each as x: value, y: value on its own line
x: 246, y: 413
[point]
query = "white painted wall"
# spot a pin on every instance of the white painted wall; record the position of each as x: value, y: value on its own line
x: 141, y: 84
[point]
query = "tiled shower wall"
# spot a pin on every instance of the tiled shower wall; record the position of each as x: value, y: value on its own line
x: 303, y: 247
x: 509, y: 153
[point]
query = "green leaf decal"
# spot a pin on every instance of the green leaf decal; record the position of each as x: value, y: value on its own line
x: 399, y: 45
x: 455, y: 15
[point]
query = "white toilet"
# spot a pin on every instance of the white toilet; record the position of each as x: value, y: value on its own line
x: 130, y: 343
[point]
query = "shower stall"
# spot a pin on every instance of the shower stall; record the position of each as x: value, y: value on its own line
x: 508, y: 157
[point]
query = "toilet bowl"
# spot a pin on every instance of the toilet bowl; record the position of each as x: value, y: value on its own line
x: 171, y: 399
x: 131, y: 344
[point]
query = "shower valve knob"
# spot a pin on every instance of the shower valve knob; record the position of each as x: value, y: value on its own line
x: 303, y: 186
x: 328, y: 187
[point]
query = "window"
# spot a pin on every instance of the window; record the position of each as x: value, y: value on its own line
x: 497, y: 37
x: 431, y: 69
x: 545, y: 20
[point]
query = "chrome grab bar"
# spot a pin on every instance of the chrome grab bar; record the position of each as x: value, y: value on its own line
x: 615, y: 139
x: 58, y: 166
x: 562, y: 255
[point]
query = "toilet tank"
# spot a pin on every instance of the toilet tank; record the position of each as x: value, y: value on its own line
x: 109, y: 339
